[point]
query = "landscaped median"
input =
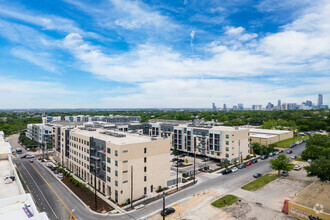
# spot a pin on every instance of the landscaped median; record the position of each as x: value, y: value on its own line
x: 259, y: 183
x: 226, y: 200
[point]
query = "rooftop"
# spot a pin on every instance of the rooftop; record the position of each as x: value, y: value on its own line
x: 315, y: 194
x: 4, y: 147
x: 268, y: 131
x: 219, y: 128
x: 254, y: 135
x: 128, y: 139
x: 11, y: 188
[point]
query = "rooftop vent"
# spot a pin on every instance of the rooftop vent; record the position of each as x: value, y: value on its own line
x: 112, y: 134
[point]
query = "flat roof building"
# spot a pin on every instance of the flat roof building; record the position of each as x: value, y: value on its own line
x: 268, y: 136
x: 113, y: 156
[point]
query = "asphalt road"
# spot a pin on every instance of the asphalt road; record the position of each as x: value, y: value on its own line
x: 47, y: 200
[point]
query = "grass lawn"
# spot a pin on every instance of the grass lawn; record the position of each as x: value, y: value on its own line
x: 300, y: 159
x: 224, y: 201
x: 286, y: 143
x: 259, y: 183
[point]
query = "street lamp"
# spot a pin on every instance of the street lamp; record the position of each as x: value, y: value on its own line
x: 194, y: 164
x: 177, y: 170
x: 95, y: 197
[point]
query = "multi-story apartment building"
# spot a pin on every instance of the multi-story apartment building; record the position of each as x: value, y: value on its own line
x: 218, y: 142
x: 41, y: 133
x: 87, y: 118
x: 113, y: 156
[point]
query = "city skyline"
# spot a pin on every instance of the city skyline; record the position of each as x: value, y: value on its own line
x: 162, y: 54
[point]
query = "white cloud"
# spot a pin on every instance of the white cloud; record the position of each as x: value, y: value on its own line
x: 41, y: 59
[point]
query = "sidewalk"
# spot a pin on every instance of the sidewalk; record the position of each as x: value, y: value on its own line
x: 118, y: 209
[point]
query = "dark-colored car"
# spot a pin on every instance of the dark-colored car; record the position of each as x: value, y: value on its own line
x: 257, y: 175
x: 249, y: 163
x: 285, y: 173
x: 56, y: 171
x: 53, y: 168
x: 289, y: 152
x: 264, y: 157
x: 254, y: 161
x: 292, y: 145
x: 24, y: 156
x: 241, y: 166
x: 281, y: 151
x: 227, y: 171
x: 167, y: 211
x: 180, y: 160
x: 31, y: 161
x: 174, y: 159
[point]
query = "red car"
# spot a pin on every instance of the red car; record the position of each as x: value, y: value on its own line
x: 249, y: 163
x: 281, y: 151
x: 289, y: 152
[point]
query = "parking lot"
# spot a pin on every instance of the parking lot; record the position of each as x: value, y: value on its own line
x: 189, y: 160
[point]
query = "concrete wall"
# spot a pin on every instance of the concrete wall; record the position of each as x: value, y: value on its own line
x: 302, y: 212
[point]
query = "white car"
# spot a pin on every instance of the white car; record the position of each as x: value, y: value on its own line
x: 297, y: 167
x: 60, y: 175
x: 234, y: 169
x: 29, y: 156
x: 293, y: 157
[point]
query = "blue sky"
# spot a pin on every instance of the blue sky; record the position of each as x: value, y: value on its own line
x: 153, y: 53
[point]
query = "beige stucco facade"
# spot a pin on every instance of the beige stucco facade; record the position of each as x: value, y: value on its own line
x: 218, y: 142
x: 116, y: 158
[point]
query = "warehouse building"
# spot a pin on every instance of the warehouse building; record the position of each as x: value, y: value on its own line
x: 267, y: 136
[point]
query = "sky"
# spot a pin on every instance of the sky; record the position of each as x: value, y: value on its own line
x: 163, y: 54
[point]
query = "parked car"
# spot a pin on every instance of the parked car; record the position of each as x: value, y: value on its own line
x: 30, y: 156
x: 309, y: 160
x: 276, y: 152
x: 255, y: 161
x: 271, y: 154
x: 281, y: 151
x: 180, y: 160
x: 249, y: 163
x: 31, y: 161
x: 297, y: 167
x: 49, y: 165
x: 167, y: 211
x: 181, y: 155
x: 226, y: 171
x: 241, y: 166
x: 53, y: 168
x: 293, y: 157
x: 234, y: 169
x: 56, y: 171
x: 174, y: 159
x: 257, y: 175
x: 177, y: 164
x: 206, y: 159
x: 60, y: 175
x: 285, y: 173
x: 264, y: 157
x: 292, y: 145
x: 289, y: 152
x: 24, y: 156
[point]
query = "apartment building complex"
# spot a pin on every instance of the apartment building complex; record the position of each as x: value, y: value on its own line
x: 41, y: 133
x: 87, y: 118
x: 218, y: 142
x: 115, y: 158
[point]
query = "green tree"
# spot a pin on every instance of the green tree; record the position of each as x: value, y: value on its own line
x: 319, y: 168
x: 235, y: 162
x: 281, y: 163
x: 175, y: 151
x: 226, y: 164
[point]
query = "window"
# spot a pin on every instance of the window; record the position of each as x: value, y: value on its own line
x: 116, y: 153
x: 87, y: 142
x: 145, y: 178
x: 145, y: 150
x: 116, y: 183
x: 116, y: 173
x: 125, y: 151
x: 125, y: 161
x: 227, y: 148
x: 125, y: 171
x: 116, y: 163
x: 108, y: 159
x: 109, y: 169
x: 108, y: 150
x: 145, y: 159
x: 87, y: 151
x: 227, y: 142
x: 227, y: 155
x: 227, y: 135
x: 125, y: 181
x: 145, y: 169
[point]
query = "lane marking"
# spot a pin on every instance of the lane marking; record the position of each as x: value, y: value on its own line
x: 72, y: 215
x: 40, y: 191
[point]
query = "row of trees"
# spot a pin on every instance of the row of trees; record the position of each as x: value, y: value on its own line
x: 303, y: 120
x: 14, y: 123
x: 262, y: 149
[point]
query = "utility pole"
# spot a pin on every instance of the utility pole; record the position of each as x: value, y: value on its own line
x: 95, y: 197
x: 194, y: 164
x: 131, y: 186
x: 43, y: 150
x: 177, y: 171
x: 163, y: 205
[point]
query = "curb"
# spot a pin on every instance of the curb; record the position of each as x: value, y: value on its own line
x: 86, y: 206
